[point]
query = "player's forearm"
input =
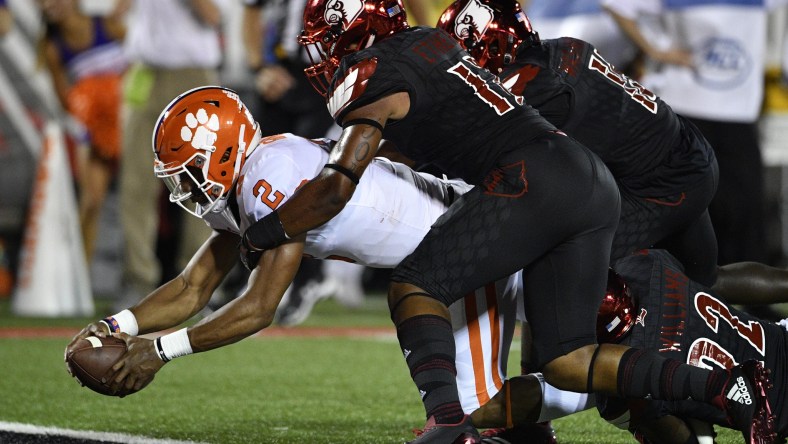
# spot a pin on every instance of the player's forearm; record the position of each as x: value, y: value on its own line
x: 233, y: 322
x: 254, y: 310
x: 326, y: 195
x: 169, y: 306
x: 320, y: 200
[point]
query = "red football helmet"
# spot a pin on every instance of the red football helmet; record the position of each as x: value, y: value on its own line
x: 335, y: 28
x: 491, y: 30
x: 617, y: 312
x: 200, y: 143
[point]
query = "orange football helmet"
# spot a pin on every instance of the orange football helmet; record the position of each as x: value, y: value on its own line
x: 200, y: 143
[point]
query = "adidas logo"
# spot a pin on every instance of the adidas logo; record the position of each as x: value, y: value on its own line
x: 739, y: 392
x: 406, y: 353
x: 423, y: 393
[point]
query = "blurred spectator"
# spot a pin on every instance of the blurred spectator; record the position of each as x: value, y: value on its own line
x: 174, y: 45
x: 706, y: 60
x: 86, y: 62
x: 584, y: 20
x: 424, y: 12
x: 6, y: 20
x: 286, y: 103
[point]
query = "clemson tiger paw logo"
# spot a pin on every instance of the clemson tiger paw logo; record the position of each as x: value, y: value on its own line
x: 201, y: 129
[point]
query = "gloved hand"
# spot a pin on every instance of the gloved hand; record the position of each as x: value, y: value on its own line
x: 249, y: 257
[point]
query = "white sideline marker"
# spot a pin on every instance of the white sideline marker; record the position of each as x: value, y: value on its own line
x: 30, y: 429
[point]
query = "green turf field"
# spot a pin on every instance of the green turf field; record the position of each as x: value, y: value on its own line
x: 262, y: 390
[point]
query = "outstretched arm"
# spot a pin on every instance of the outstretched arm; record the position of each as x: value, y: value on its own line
x: 254, y: 309
x: 244, y: 316
x: 178, y: 299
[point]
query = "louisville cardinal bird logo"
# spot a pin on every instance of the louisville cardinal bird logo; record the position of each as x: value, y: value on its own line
x: 343, y: 12
x: 473, y: 20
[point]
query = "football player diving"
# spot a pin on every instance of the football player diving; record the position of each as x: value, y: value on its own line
x: 217, y: 166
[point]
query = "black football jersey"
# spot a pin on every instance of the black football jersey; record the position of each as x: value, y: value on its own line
x: 461, y: 118
x: 686, y: 321
x: 631, y: 129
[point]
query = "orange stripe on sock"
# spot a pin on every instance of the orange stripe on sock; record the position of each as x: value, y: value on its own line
x: 477, y: 352
x: 495, y: 333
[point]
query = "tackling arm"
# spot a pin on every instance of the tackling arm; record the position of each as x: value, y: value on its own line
x: 325, y: 196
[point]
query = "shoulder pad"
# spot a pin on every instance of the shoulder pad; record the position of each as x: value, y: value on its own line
x: 351, y: 85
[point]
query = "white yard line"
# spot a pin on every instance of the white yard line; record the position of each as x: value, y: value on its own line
x: 31, y: 429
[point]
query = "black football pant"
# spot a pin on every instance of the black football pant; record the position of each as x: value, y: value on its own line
x: 549, y: 207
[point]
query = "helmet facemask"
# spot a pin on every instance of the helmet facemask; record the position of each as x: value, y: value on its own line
x: 188, y: 186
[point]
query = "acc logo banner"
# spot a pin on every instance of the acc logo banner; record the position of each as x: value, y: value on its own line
x: 723, y: 63
x: 473, y: 20
x: 343, y: 12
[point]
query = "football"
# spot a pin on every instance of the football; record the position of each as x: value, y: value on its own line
x: 91, y: 358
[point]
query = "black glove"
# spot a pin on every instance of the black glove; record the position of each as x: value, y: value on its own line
x: 249, y: 258
x: 265, y: 234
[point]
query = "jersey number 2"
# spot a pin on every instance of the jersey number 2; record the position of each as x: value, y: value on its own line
x: 713, y: 311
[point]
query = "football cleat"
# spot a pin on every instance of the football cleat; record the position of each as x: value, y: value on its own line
x: 540, y: 433
x: 462, y: 432
x: 745, y: 403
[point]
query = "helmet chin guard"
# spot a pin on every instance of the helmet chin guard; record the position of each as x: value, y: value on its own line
x: 200, y: 143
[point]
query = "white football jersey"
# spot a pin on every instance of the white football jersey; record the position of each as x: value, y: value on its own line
x: 389, y: 213
x: 391, y: 210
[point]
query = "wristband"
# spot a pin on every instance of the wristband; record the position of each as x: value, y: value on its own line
x: 173, y: 345
x: 344, y: 171
x: 265, y: 234
x: 125, y: 322
x: 159, y: 350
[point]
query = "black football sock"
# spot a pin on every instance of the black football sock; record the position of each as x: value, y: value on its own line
x: 643, y: 373
x: 427, y: 342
